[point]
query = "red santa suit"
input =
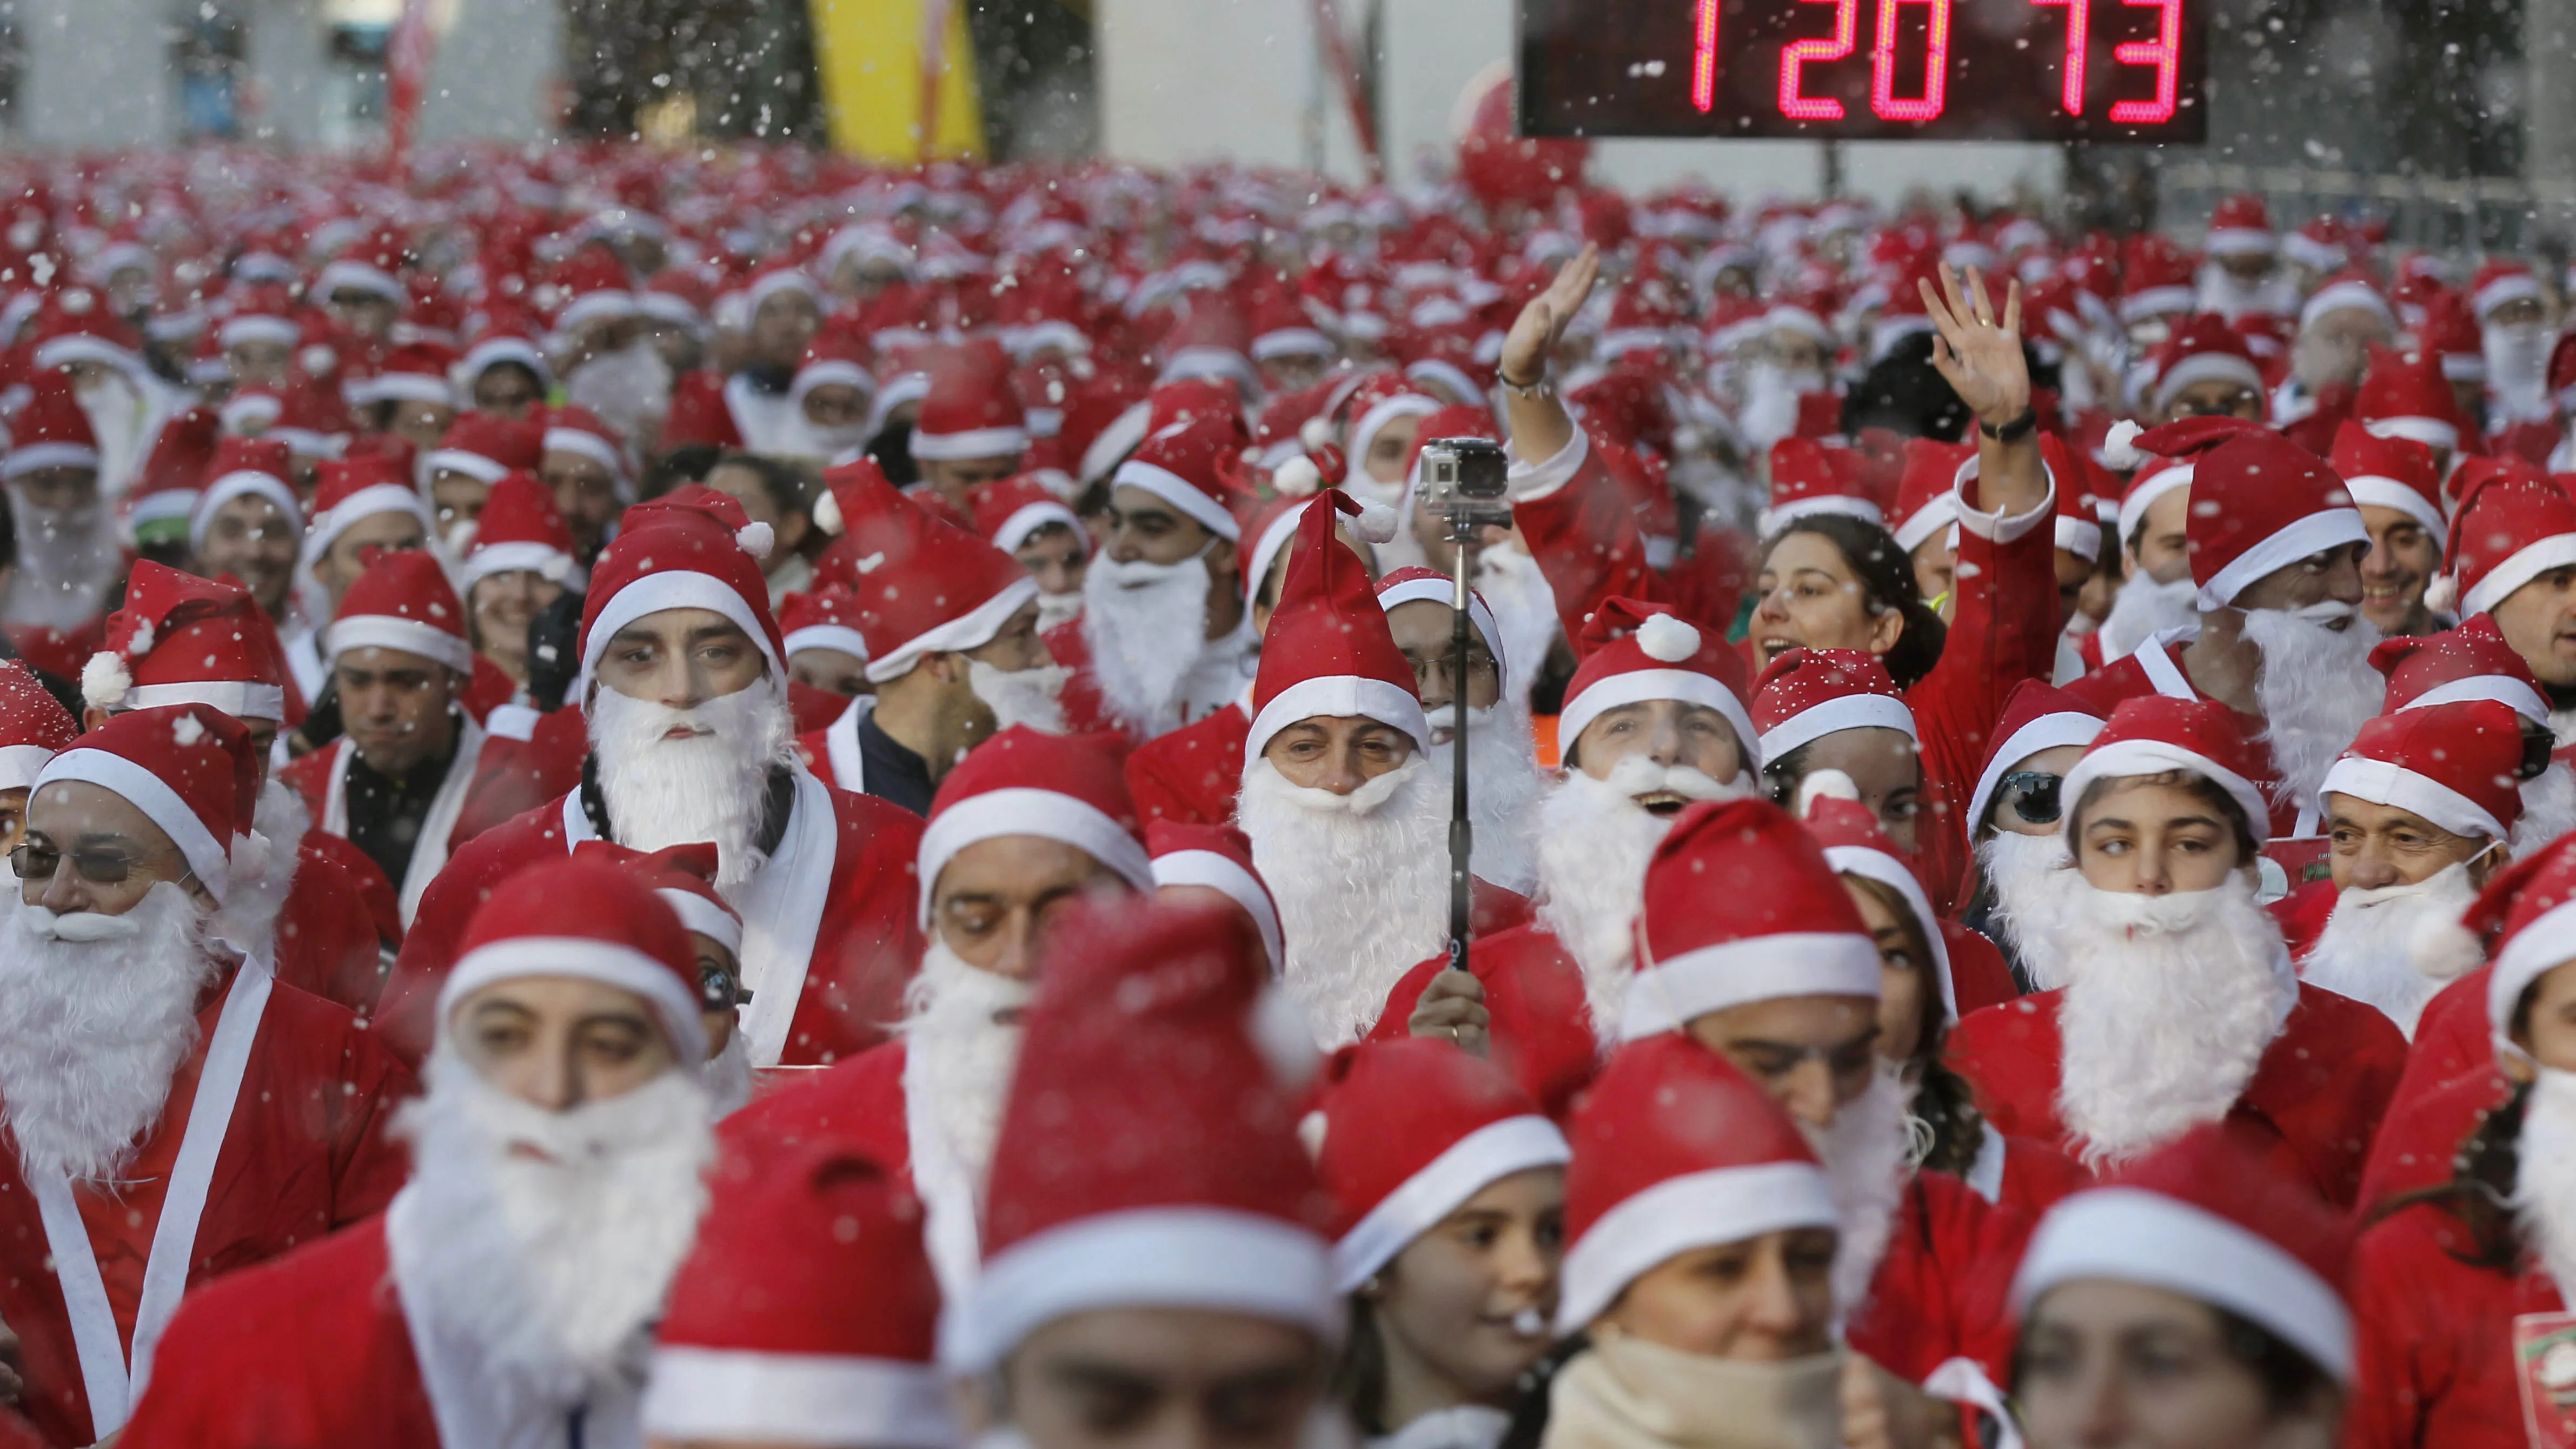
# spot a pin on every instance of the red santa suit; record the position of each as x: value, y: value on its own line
x: 2435, y: 1336
x: 1539, y: 1022
x: 1191, y: 775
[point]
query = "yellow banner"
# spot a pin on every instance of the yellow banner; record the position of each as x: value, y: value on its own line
x: 869, y: 54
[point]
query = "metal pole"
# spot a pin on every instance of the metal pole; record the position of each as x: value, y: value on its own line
x: 1462, y: 882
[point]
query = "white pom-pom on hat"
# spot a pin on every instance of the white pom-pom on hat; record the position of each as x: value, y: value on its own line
x: 1824, y: 785
x: 105, y: 680
x: 2120, y: 447
x: 1311, y: 1131
x: 250, y: 857
x: 1285, y: 1038
x: 1298, y: 478
x: 755, y: 539
x: 2443, y: 949
x: 1668, y: 637
x: 2442, y: 596
x: 1316, y: 433
x: 1374, y: 523
x: 827, y: 514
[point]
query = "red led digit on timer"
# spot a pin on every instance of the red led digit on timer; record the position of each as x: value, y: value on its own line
x: 2079, y: 23
x: 1704, y: 59
x: 2164, y: 53
x: 1794, y: 56
x: 1884, y: 103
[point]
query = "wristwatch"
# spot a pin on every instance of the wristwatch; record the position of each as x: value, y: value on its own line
x: 2014, y: 431
x: 1541, y: 388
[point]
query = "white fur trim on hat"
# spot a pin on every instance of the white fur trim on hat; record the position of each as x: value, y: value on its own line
x: 1364, y: 432
x: 1291, y: 342
x: 676, y: 589
x: 606, y: 962
x: 2239, y: 241
x: 1636, y: 686
x: 743, y: 1395
x: 2433, y: 433
x: 974, y: 443
x: 21, y: 764
x: 827, y: 636
x: 152, y: 795
x: 491, y: 352
x: 2527, y: 955
x: 1843, y: 712
x: 971, y: 630
x: 520, y: 555
x: 2519, y: 568
x: 1667, y: 995
x: 2337, y: 296
x: 257, y: 327
x: 408, y: 636
x: 240, y: 698
x: 589, y: 445
x: 783, y: 280
x: 1266, y: 549
x: 2122, y: 759
x: 1887, y: 870
x: 1112, y: 444
x: 1937, y: 514
x: 2369, y: 490
x: 2202, y: 367
x: 408, y: 387
x: 26, y: 460
x: 1048, y: 814
x: 2325, y: 529
x: 2384, y: 782
x: 1482, y: 1157
x: 457, y: 460
x: 1338, y: 696
x: 2048, y: 732
x: 350, y: 275
x: 2510, y: 287
x: 2504, y: 689
x: 1441, y: 592
x: 1775, y: 518
x: 241, y: 483
x: 1159, y: 1257
x: 2156, y: 302
x: 1179, y: 492
x: 2082, y: 539
x: 1028, y: 518
x: 704, y: 917
x: 2130, y: 1235
x: 1667, y: 639
x: 2135, y: 503
x: 1696, y: 1210
x: 1224, y: 873
x: 605, y: 302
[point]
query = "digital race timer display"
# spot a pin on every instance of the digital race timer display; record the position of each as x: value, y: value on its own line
x: 2101, y: 70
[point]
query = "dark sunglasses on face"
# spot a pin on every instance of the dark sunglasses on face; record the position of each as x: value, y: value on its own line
x: 98, y: 867
x: 2033, y: 795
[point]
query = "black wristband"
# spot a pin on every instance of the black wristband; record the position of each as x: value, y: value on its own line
x: 2014, y: 431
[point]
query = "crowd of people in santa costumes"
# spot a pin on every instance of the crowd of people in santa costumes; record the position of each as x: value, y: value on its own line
x: 734, y: 799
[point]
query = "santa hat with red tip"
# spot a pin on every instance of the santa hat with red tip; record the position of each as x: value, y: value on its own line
x: 2037, y: 716
x: 2350, y: 288
x: 1218, y: 858
x: 2458, y: 766
x: 1404, y: 1132
x: 592, y: 921
x: 1150, y: 1027
x: 2152, y: 734
x: 578, y: 430
x: 923, y: 584
x: 521, y: 529
x: 971, y: 410
x: 2080, y: 490
x: 354, y: 488
x: 1854, y: 845
x: 823, y: 618
x: 1067, y: 788
x: 2203, y: 348
x: 2240, y: 226
x: 191, y: 770
x: 699, y: 503
x: 1328, y: 653
x: 180, y: 639
x: 1808, y: 477
x: 403, y: 602
x: 1009, y: 511
x: 2405, y: 395
x: 1675, y: 1150
x: 486, y: 446
x: 1741, y: 906
x: 1381, y: 398
x: 1415, y: 584
x: 1806, y: 694
x: 2259, y: 503
x: 245, y: 468
x: 2513, y: 525
x: 2391, y: 472
x: 2208, y: 1218
x: 811, y: 1319
x: 684, y: 554
x: 1187, y: 465
x: 2472, y: 661
x: 50, y: 430
x: 684, y: 877
x: 34, y: 726
x: 1635, y: 651
x: 1927, y: 493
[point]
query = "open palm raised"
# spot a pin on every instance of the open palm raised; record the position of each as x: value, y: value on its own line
x: 1977, y: 354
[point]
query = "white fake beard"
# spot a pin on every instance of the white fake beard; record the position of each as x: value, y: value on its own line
x: 1031, y: 697
x: 2316, y: 689
x: 2171, y: 1003
x: 1144, y: 623
x: 2142, y: 608
x: 2037, y: 893
x: 2517, y: 358
x: 710, y: 786
x: 1868, y: 1154
x: 1503, y: 785
x: 1771, y: 394
x: 624, y: 387
x: 1056, y: 609
x: 728, y: 1077
x: 551, y: 1237
x: 1594, y: 842
x: 96, y: 1013
x: 1524, y: 612
x: 830, y: 441
x: 2544, y: 1189
x: 1362, y: 885
x: 967, y: 1056
x: 2548, y: 809
x: 67, y: 560
x: 2374, y: 948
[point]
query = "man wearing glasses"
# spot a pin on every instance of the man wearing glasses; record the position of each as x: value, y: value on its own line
x: 174, y: 1111
x: 1502, y: 778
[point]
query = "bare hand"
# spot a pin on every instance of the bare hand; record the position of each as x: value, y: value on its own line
x: 13, y: 1386
x: 1452, y: 1009
x: 1882, y: 1411
x: 1541, y: 324
x: 1979, y: 356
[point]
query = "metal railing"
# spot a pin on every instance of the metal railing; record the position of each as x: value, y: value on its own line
x: 2460, y: 217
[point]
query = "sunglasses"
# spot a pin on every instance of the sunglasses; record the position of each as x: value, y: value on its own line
x: 2033, y: 795
x: 721, y: 990
x: 98, y: 867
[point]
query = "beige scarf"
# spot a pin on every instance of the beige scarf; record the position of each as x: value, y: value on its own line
x: 1626, y: 1393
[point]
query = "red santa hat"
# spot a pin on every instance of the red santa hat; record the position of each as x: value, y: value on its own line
x: 1415, y: 584
x: 2037, y: 716
x: 1811, y: 477
x: 2259, y: 503
x: 2154, y: 480
x: 2317, y: 245
x: 580, y: 431
x: 486, y: 446
x: 1150, y: 1026
x: 414, y: 372
x: 824, y: 618
x: 508, y: 336
x: 1741, y: 906
x: 357, y: 487
x: 2203, y: 348
x: 836, y: 357
x: 2240, y: 226
x: 1854, y: 845
x: 1007, y: 512
x: 1218, y: 858
x: 923, y: 584
x: 1381, y: 398
x: 692, y: 549
x: 684, y: 877
x: 262, y: 313
x: 2391, y: 472
x: 2155, y: 279
x: 1066, y: 788
x: 1404, y: 1132
x: 403, y: 602
x: 77, y: 325
x: 2154, y: 733
x: 2350, y: 288
x: 50, y: 430
x: 245, y: 468
x: 1634, y: 651
x: 784, y: 275
x: 593, y: 286
x: 1328, y: 653
x: 1806, y: 694
x: 589, y: 920
x: 1927, y: 492
x: 810, y: 1319
x: 191, y: 770
x: 34, y: 726
x: 971, y: 410
x: 368, y: 266
x: 2207, y: 1218
x: 2405, y: 395
x: 2081, y: 491
x: 1186, y: 464
x: 1674, y: 1150
x: 2458, y: 766
x: 2514, y: 524
x: 2500, y: 281
x: 180, y: 639
x: 2472, y: 661
x: 521, y: 529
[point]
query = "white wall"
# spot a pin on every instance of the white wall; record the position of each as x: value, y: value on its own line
x: 1200, y: 80
x: 97, y: 74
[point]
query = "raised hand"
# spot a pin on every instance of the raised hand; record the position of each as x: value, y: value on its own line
x: 1541, y: 324
x: 1978, y: 355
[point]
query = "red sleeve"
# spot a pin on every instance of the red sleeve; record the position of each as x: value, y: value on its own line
x: 368, y: 1166
x: 698, y: 413
x: 329, y: 937
x: 871, y: 942
x: 2401, y: 1363
x: 1584, y: 536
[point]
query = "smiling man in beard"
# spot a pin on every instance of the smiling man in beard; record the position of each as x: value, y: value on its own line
x: 684, y: 685
x: 507, y: 1295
